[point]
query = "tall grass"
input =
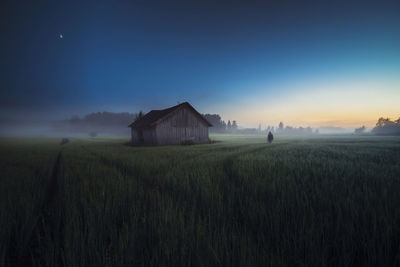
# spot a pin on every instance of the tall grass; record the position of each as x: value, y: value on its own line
x: 238, y: 202
x: 25, y: 172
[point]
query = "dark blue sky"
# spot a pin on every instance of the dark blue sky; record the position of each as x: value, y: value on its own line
x: 130, y: 55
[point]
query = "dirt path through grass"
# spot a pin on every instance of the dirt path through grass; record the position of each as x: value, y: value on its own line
x: 45, y: 225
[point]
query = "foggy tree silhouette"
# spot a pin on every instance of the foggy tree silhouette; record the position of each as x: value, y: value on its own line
x: 360, y: 130
x: 219, y: 126
x: 234, y: 125
x: 385, y: 126
x: 281, y: 126
x: 139, y: 115
x: 292, y: 130
x: 99, y: 122
x: 109, y: 118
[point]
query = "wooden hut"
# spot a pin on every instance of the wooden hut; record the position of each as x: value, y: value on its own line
x: 174, y: 125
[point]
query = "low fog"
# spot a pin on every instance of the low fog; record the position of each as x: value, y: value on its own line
x: 101, y: 124
x: 93, y: 125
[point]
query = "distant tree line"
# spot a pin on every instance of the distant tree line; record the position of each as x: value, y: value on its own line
x: 386, y: 126
x: 290, y: 130
x: 97, y: 123
x: 105, y: 118
x: 281, y: 129
x: 117, y: 123
x: 219, y: 125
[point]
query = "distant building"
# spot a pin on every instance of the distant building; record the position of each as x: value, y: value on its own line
x: 174, y: 125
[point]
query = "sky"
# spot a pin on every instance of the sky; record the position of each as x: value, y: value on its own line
x: 306, y: 63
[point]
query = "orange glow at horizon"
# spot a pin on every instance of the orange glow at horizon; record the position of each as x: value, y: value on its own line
x: 344, y: 105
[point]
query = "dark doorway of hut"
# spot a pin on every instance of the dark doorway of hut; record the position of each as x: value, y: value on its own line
x: 140, y: 137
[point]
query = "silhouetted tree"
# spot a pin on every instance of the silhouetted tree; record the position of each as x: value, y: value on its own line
x: 385, y: 126
x: 281, y: 129
x: 281, y: 126
x: 360, y: 130
x: 234, y: 125
x: 139, y: 115
x: 218, y: 125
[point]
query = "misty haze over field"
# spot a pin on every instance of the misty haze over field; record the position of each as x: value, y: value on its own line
x: 116, y: 124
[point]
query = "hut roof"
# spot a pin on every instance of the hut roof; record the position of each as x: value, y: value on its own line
x: 155, y: 116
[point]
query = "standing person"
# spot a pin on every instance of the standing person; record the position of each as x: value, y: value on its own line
x: 270, y: 137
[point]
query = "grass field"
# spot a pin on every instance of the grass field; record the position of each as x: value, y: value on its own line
x: 326, y: 201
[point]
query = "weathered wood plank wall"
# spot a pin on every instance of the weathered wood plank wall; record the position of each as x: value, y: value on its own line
x: 182, y: 125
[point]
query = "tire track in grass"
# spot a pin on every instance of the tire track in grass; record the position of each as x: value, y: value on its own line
x: 109, y: 253
x: 45, y: 227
